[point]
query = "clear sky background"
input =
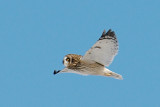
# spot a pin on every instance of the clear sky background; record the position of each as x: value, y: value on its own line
x: 35, y: 35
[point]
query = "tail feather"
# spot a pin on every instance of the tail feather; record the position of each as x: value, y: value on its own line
x: 109, y: 73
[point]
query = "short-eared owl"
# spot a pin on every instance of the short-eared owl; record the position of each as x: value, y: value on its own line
x: 94, y: 61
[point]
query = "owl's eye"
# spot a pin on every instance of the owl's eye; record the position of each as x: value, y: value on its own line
x: 67, y: 59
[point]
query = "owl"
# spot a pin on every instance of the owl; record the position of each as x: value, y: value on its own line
x: 95, y: 60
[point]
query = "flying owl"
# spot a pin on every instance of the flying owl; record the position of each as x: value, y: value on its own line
x: 101, y: 54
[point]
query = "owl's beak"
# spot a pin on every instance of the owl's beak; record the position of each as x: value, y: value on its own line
x: 55, y: 72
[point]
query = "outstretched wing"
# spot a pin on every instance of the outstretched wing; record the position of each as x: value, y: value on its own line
x: 104, y: 50
x: 67, y: 70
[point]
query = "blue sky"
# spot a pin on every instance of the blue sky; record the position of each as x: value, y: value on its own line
x: 35, y: 35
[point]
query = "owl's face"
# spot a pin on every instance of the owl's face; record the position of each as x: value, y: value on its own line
x: 71, y: 60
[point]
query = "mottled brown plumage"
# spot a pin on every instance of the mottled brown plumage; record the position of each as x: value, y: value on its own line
x: 74, y: 60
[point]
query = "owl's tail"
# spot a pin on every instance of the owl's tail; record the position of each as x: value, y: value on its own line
x: 109, y: 73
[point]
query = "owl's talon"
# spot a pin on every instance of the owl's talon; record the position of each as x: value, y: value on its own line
x: 55, y: 72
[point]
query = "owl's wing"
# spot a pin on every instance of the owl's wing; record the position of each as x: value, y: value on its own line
x: 66, y: 70
x: 104, y: 50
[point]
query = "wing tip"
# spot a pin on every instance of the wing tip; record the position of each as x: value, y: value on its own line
x: 104, y: 32
x: 109, y: 33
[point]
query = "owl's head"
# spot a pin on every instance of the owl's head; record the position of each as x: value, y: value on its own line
x: 71, y: 60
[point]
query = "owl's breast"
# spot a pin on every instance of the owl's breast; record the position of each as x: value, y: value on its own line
x: 87, y: 68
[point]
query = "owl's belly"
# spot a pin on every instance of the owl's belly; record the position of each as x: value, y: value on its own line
x: 97, y: 70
